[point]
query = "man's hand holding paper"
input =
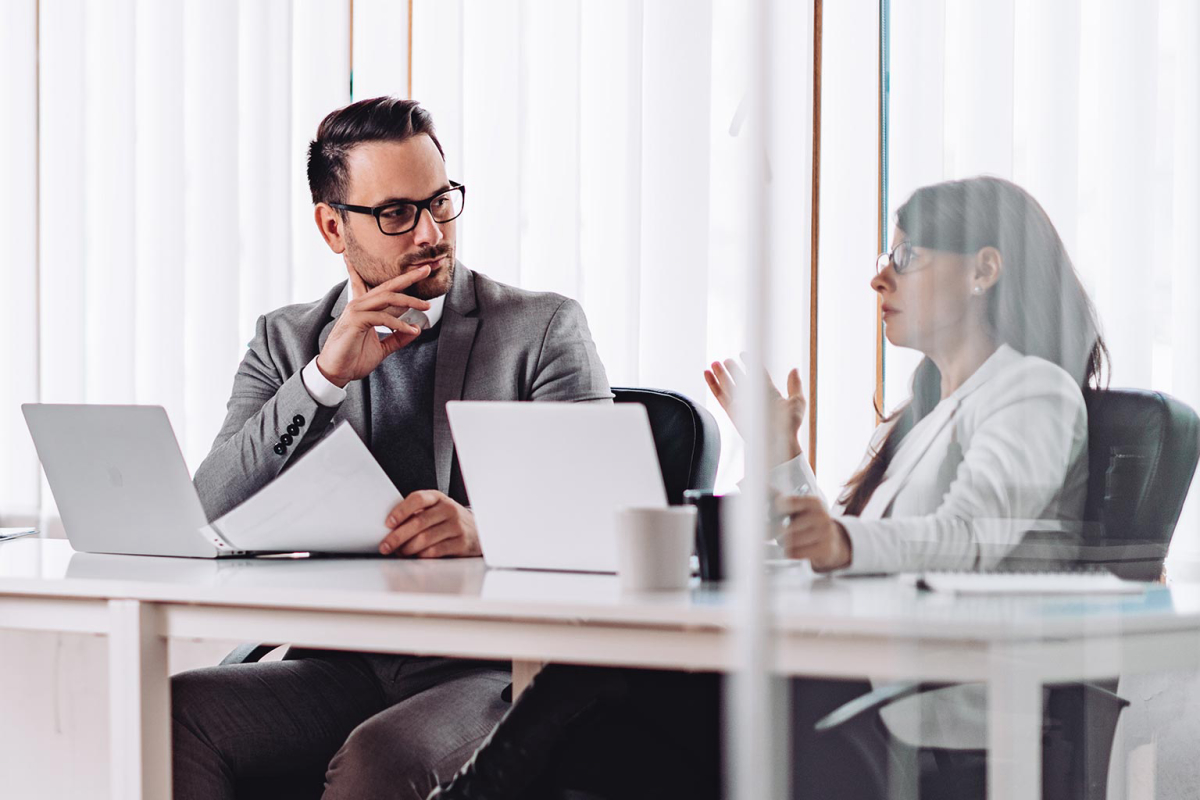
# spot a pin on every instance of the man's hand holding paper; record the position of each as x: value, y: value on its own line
x: 428, y: 524
x: 333, y: 500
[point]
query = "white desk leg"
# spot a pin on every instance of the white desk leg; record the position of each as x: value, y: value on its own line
x: 139, y: 703
x: 522, y: 673
x: 1014, y: 770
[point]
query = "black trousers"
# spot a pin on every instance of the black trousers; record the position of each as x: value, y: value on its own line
x: 661, y: 736
x: 329, y: 724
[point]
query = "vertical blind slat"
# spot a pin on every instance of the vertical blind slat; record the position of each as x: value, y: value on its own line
x: 916, y: 144
x: 61, y: 303
x: 107, y: 187
x: 849, y: 230
x: 979, y: 88
x: 19, y: 485
x: 320, y: 83
x: 380, y: 48
x: 489, y: 233
x: 61, y: 315
x: 159, y: 207
x: 549, y: 215
x: 264, y: 160
x: 1185, y: 277
x: 790, y: 174
x: 1046, y: 117
x: 211, y: 242
x: 437, y: 79
x: 610, y: 162
x: 676, y: 125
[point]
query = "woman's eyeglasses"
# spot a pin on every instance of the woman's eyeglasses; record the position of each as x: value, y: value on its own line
x: 901, y: 257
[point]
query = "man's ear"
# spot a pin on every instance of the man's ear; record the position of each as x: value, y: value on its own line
x: 332, y: 227
x: 988, y: 266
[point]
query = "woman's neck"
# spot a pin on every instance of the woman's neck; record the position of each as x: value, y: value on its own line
x: 957, y: 363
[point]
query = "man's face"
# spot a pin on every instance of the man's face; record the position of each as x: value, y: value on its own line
x: 386, y: 172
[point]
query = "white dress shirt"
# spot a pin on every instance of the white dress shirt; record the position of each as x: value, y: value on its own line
x: 326, y: 392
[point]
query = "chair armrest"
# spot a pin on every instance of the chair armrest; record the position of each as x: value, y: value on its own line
x: 1100, y: 693
x: 248, y: 653
x: 872, y: 701
x: 886, y: 695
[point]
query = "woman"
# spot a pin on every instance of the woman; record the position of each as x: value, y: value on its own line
x: 995, y: 434
x: 981, y: 467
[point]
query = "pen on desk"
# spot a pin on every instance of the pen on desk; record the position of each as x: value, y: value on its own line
x: 15, y: 533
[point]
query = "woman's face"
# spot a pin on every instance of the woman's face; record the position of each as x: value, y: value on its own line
x: 928, y: 306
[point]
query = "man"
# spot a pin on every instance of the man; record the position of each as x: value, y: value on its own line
x: 373, y: 725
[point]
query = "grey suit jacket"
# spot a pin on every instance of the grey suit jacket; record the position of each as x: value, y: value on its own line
x: 497, y: 342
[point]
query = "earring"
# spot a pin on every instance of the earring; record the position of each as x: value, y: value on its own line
x: 977, y: 290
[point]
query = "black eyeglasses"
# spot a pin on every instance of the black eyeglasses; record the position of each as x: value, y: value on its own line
x: 901, y: 256
x: 397, y: 218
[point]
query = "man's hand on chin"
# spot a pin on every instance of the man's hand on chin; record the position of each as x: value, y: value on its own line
x: 353, y: 349
x: 428, y: 524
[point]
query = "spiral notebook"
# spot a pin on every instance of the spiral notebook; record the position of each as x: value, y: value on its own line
x: 1026, y: 583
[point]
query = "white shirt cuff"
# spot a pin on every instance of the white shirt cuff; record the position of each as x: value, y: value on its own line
x: 795, y: 477
x: 788, y: 477
x: 318, y: 386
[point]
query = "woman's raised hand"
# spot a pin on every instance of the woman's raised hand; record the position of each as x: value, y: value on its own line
x: 787, y: 412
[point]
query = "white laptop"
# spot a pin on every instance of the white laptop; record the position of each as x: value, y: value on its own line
x: 119, y: 479
x: 122, y: 486
x: 546, y: 479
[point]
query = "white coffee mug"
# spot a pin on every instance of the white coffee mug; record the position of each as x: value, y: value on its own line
x: 654, y: 548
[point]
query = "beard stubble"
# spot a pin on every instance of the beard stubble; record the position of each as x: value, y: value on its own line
x: 375, y: 271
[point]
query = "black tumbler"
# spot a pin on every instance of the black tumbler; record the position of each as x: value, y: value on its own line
x: 708, y: 532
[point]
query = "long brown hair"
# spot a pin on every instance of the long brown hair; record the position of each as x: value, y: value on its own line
x: 1038, y: 307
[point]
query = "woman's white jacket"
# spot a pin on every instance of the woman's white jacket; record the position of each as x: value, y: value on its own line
x: 1004, y: 455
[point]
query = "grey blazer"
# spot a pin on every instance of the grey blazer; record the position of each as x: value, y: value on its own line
x: 497, y: 342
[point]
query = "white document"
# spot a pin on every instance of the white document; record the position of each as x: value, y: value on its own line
x: 1027, y: 583
x: 333, y: 500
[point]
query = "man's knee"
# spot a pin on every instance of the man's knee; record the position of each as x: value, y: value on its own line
x: 378, y: 760
x: 194, y: 696
x: 409, y: 749
x: 200, y: 769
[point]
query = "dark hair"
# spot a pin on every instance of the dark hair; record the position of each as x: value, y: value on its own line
x: 379, y: 119
x: 1038, y: 306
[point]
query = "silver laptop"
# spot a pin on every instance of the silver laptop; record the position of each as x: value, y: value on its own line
x: 120, y: 480
x: 546, y: 479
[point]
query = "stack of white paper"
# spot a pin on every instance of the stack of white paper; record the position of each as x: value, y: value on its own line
x: 333, y: 500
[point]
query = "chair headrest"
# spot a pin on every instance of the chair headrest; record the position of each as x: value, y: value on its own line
x: 685, y: 436
x: 1142, y: 453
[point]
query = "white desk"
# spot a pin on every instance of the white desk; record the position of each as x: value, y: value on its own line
x: 832, y: 628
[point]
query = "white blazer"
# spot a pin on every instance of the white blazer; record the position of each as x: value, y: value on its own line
x: 1004, y: 454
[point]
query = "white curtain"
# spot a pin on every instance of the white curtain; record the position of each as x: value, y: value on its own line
x: 604, y: 151
x: 1093, y: 107
x: 156, y: 200
x: 156, y: 203
x: 18, y: 265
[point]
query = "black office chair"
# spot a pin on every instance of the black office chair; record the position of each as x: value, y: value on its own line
x: 688, y: 444
x: 1142, y: 454
x: 685, y: 436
